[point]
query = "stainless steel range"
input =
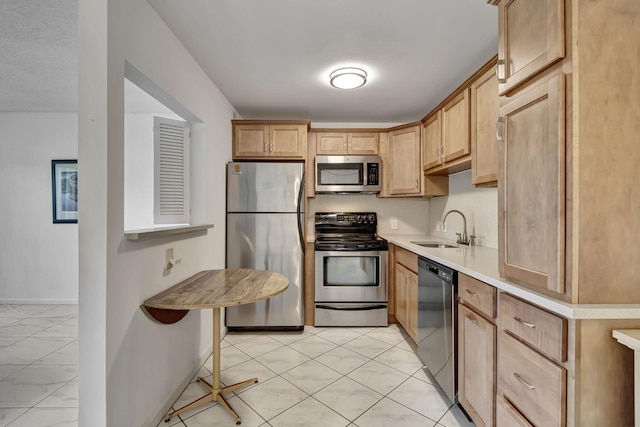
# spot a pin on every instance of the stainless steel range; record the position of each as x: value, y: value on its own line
x: 350, y: 270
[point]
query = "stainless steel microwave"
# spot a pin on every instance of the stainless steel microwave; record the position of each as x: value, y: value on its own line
x: 348, y: 174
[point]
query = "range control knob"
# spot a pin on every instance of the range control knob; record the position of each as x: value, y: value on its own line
x: 371, y: 218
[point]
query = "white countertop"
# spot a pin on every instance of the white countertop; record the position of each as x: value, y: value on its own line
x: 628, y: 337
x: 482, y: 263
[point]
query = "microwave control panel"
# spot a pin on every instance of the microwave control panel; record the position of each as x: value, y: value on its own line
x: 373, y: 174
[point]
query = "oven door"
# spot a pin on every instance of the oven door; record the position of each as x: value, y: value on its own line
x: 351, y: 276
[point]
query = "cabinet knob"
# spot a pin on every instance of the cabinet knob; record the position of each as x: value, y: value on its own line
x: 471, y: 318
x: 471, y: 292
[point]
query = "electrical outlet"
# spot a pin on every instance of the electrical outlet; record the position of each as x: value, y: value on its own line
x: 443, y: 226
x: 394, y: 223
x: 168, y: 259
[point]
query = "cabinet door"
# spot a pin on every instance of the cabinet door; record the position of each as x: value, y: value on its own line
x: 412, y: 305
x: 251, y: 141
x: 476, y: 366
x: 531, y: 189
x: 362, y: 143
x: 401, y: 295
x: 530, y: 39
x: 405, y: 171
x: 288, y: 141
x: 455, y: 127
x: 484, y: 145
x: 328, y: 143
x: 432, y: 141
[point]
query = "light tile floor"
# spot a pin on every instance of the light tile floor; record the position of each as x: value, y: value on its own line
x: 358, y: 377
x: 318, y: 377
x: 38, y: 365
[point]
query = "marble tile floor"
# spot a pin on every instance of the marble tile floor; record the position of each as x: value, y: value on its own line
x: 38, y: 365
x: 329, y: 377
x: 318, y: 377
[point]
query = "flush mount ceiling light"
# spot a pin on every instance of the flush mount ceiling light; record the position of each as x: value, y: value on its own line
x: 348, y: 78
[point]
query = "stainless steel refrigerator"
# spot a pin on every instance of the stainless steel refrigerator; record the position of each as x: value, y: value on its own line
x: 265, y: 231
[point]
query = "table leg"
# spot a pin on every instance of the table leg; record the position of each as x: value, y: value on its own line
x: 216, y: 391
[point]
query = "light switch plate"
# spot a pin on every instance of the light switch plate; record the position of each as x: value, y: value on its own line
x: 394, y: 223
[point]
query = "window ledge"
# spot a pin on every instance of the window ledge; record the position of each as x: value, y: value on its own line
x: 147, y: 233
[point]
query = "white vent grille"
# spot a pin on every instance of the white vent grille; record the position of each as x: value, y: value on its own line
x: 171, y: 171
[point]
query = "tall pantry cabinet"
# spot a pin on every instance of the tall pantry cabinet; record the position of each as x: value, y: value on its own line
x: 570, y: 115
x: 569, y: 122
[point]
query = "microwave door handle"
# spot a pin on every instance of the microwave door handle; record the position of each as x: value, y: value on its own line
x: 299, y: 212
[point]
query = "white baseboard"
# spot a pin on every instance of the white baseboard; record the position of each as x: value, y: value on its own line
x: 38, y: 301
x: 163, y: 408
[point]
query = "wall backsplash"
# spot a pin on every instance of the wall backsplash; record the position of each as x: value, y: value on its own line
x: 479, y: 206
x: 412, y: 214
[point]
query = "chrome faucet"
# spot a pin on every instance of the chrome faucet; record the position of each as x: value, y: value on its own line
x: 462, y: 239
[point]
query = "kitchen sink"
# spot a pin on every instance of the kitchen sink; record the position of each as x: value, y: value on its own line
x: 434, y: 245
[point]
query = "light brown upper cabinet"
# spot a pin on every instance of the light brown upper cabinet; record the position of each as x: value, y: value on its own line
x: 342, y: 143
x: 455, y: 128
x: 446, y: 140
x: 260, y: 139
x: 432, y: 141
x: 531, y: 189
x: 531, y: 38
x: 484, y: 145
x: 404, y: 171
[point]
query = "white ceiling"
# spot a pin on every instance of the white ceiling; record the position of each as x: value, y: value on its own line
x: 272, y: 58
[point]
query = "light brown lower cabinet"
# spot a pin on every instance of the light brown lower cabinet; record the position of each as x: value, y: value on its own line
x: 407, y: 300
x: 535, y: 385
x: 476, y: 365
x: 477, y: 349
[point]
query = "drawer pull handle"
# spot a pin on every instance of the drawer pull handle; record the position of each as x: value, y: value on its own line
x: 499, y: 121
x: 526, y: 384
x: 471, y: 292
x: 500, y: 71
x: 527, y: 324
x: 471, y: 318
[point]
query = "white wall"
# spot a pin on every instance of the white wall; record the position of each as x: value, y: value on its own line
x: 479, y: 206
x: 131, y: 368
x: 38, y: 259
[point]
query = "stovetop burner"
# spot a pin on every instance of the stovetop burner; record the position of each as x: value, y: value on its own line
x: 347, y: 231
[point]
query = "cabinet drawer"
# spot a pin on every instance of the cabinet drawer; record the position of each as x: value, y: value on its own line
x: 508, y: 416
x: 542, y: 330
x: 477, y: 294
x: 407, y: 258
x: 535, y: 385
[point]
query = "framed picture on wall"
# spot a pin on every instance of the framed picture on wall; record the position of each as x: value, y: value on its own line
x: 64, y: 188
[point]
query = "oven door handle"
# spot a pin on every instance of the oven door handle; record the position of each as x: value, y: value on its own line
x: 351, y: 308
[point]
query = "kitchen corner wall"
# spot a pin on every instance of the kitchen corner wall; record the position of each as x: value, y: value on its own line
x: 479, y: 205
x: 38, y: 259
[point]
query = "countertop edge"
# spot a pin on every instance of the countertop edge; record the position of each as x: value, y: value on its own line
x: 486, y: 270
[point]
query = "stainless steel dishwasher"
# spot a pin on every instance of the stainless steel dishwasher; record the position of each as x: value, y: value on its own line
x: 437, y: 346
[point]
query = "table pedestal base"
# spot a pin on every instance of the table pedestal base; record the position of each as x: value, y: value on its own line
x: 215, y: 395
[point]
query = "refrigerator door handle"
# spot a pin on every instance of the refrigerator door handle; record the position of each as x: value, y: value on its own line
x: 299, y: 211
